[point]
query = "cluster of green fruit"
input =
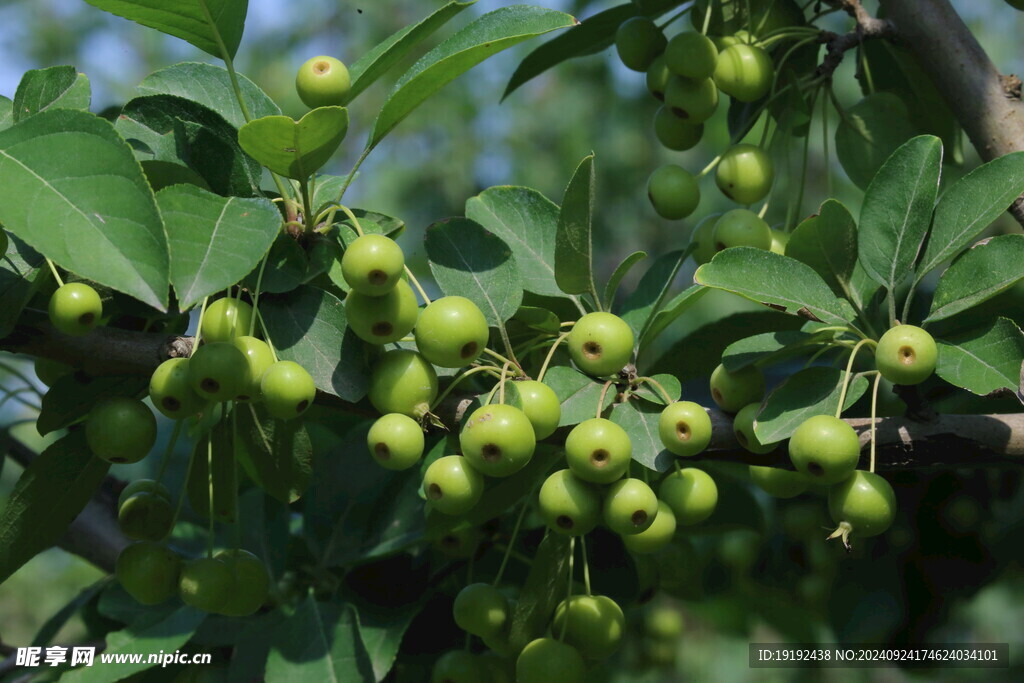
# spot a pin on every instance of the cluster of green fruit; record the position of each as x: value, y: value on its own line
x: 686, y: 73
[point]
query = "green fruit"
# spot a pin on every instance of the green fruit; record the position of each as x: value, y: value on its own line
x: 403, y: 382
x: 630, y: 507
x: 541, y: 405
x: 694, y: 101
x: 657, y: 536
x: 906, y: 354
x: 639, y: 41
x: 460, y: 543
x: 497, y: 668
x: 120, y: 430
x: 675, y: 133
x: 598, y: 450
x: 452, y: 486
x: 673, y: 191
x: 218, y: 371
x: 691, y: 55
x: 145, y: 516
x: 382, y: 319
x: 250, y: 585
x: 657, y: 78
x: 481, y: 609
x: 741, y: 37
x: 777, y: 482
x: 75, y: 308
x: 205, y: 584
x: 171, y: 392
x: 743, y: 428
x: 745, y: 174
x: 744, y: 72
x: 704, y: 236
x: 457, y: 666
x: 259, y: 358
x: 593, y: 624
x: 663, y: 623
x: 140, y: 486
x: 863, y: 504
x: 569, y: 505
x: 545, y: 660
x: 225, y: 319
x: 600, y: 343
x: 691, y: 494
x: 373, y: 264
x: 779, y: 241
x: 740, y: 549
x: 322, y: 82
x: 396, y: 441
x: 451, y: 332
x: 684, y: 428
x: 498, y: 440
x: 825, y: 449
x: 742, y: 228
x: 49, y: 371
x: 148, y: 571
x: 733, y: 390
x: 287, y: 390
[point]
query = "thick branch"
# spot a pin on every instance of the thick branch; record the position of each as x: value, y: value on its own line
x: 837, y: 45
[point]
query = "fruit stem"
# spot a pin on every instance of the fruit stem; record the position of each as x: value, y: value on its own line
x: 502, y: 381
x: 568, y: 592
x: 256, y: 293
x: 351, y: 216
x: 511, y: 544
x: 874, y: 414
x: 307, y: 206
x: 184, y: 486
x: 710, y: 167
x: 604, y: 393
x: 586, y: 567
x: 165, y: 461
x: 516, y: 369
x: 266, y: 333
x: 849, y: 370
x: 210, y: 508
x: 707, y: 20
x: 657, y: 385
x: 199, y: 325
x: 416, y: 284
x: 56, y: 275
x: 551, y: 354
x: 456, y: 381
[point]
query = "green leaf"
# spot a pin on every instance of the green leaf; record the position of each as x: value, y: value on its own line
x: 668, y: 314
x: 318, y: 642
x: 970, y: 206
x: 487, y: 36
x: 55, y: 623
x: 91, y: 211
x: 897, y: 211
x: 809, y: 392
x: 214, y: 241
x: 20, y: 277
x: 170, y: 128
x: 777, y: 281
x: 276, y: 454
x: 643, y: 303
x: 670, y: 383
x: 577, y: 393
x: 309, y: 326
x: 204, y: 23
x: 612, y: 288
x: 573, y: 248
x: 984, y: 360
x: 538, y: 318
x: 543, y: 589
x: 869, y: 133
x: 978, y: 274
x: 828, y: 244
x: 468, y: 261
x: 72, y: 397
x: 640, y: 420
x: 210, y: 86
x: 382, y: 57
x: 55, y: 87
x: 295, y: 149
x: 6, y: 112
x: 286, y: 267
x: 747, y: 351
x: 370, y: 221
x: 382, y: 630
x: 50, y: 493
x: 527, y: 221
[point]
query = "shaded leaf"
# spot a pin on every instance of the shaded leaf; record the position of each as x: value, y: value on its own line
x: 828, y: 243
x: 869, y: 133
x: 678, y: 305
x: 640, y: 421
x: 978, y: 274
x: 984, y: 360
x: 577, y: 393
x: 573, y: 248
x: 747, y: 351
x: 642, y: 303
x: 276, y: 454
x: 809, y: 392
x: 543, y: 589
x: 20, y: 277
x: 54, y: 87
x: 612, y: 288
x: 295, y: 149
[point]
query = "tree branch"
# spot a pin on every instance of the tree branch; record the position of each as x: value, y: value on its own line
x: 837, y: 45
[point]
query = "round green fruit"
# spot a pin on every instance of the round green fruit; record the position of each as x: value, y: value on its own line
x: 259, y: 358
x: 663, y: 623
x: 148, y: 571
x: 205, y: 584
x: 403, y: 382
x: 673, y: 191
x: 373, y: 264
x: 218, y: 371
x: 777, y: 482
x: 657, y: 536
x: 691, y: 55
x: 684, y: 428
x: 120, y: 430
x: 600, y: 343
x: 171, y: 392
x: 639, y: 41
x: 459, y: 543
x: 323, y: 82
x: 49, y: 371
x: 452, y: 486
x: 545, y: 660
x: 225, y: 319
x: 745, y: 174
x: 733, y: 390
x: 287, y: 390
x: 541, y: 405
x: 498, y: 440
x: 742, y: 228
x: 569, y: 505
x: 779, y: 241
x: 250, y: 585
x: 693, y: 101
x: 75, y: 309
x: 598, y: 450
x: 906, y: 354
x: 382, y: 319
x: 743, y: 428
x: 457, y: 666
x: 675, y: 133
x: 593, y: 624
x: 704, y: 236
x: 657, y: 78
x: 630, y: 507
x: 145, y: 516
x: 481, y: 609
x: 744, y: 72
x: 451, y: 332
x: 140, y: 486
x: 825, y: 449
x: 691, y: 494
x: 395, y: 441
x: 863, y: 504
